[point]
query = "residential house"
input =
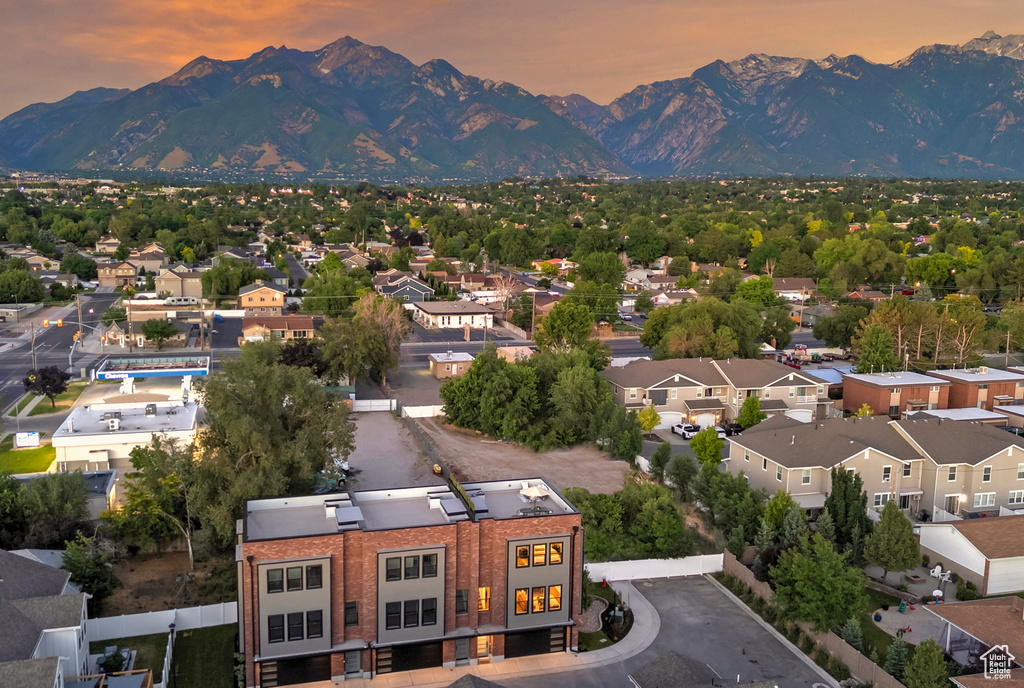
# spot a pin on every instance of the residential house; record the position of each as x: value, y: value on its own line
x: 452, y: 314
x: 793, y: 288
x: 117, y: 275
x: 516, y: 354
x: 108, y: 245
x: 492, y: 289
x: 275, y: 276
x: 355, y: 260
x: 894, y: 393
x: 987, y: 551
x: 43, y: 618
x: 363, y: 584
x: 637, y: 278
x: 449, y: 364
x: 284, y: 327
x: 396, y: 284
x: 872, y: 295
x: 40, y: 263
x: 262, y: 298
x: 708, y: 392
x: 120, y: 333
x: 562, y: 265
x: 974, y: 628
x: 175, y: 283
x: 983, y: 387
x: 150, y: 261
x: 661, y: 282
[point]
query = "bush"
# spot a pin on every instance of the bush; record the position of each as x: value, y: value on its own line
x: 806, y: 644
x: 925, y: 560
x: 966, y: 590
x: 838, y: 670
x: 821, y: 658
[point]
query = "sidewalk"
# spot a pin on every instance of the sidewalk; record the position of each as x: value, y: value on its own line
x: 646, y: 626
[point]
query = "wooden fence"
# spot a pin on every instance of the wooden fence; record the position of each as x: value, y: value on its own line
x: 859, y: 665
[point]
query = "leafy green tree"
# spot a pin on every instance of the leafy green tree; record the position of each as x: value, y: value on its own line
x: 659, y: 460
x: 13, y: 519
x: 645, y: 246
x: 706, y: 327
x: 91, y: 568
x: 521, y: 313
x: 602, y: 268
x: 876, y: 351
x: 649, y: 418
x: 76, y: 264
x: 778, y: 327
x: 21, y: 286
x: 575, y: 396
x: 112, y: 315
x: 643, y: 303
x: 751, y: 413
x: 814, y: 583
x: 122, y: 252
x: 847, y: 504
x: 839, y: 329
x: 891, y: 543
x: 680, y: 472
x: 896, y: 660
x: 707, y: 447
x: 760, y: 291
x: 158, y: 330
x: 56, y: 506
x: 601, y: 299
x: 776, y: 509
x: 737, y: 544
x: 48, y: 382
x: 927, y: 668
x: 853, y: 634
x: 334, y: 292
x: 567, y: 325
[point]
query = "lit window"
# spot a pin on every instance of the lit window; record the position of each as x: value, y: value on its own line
x: 429, y: 612
x: 275, y: 580
x: 555, y: 553
x: 540, y: 555
x: 522, y: 556
x: 315, y: 624
x: 430, y: 566
x: 522, y: 601
x: 295, y: 579
x: 554, y: 598
x: 393, y: 569
x: 275, y: 628
x: 483, y: 600
x: 538, y: 600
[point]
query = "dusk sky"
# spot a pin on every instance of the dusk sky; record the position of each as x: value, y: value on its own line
x: 599, y: 48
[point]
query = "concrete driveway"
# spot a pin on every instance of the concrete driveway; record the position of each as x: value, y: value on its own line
x: 700, y: 622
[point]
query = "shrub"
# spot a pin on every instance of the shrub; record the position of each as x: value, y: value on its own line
x: 925, y: 560
x: 966, y: 590
x: 821, y: 658
x: 806, y: 644
x: 838, y: 670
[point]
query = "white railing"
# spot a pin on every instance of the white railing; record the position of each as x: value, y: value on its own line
x: 696, y: 565
x: 148, y: 623
x: 367, y: 405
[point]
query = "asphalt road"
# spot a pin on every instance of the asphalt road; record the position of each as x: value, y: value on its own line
x: 298, y: 273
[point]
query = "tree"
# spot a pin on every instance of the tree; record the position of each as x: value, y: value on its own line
x: 896, y: 661
x: 13, y: 519
x: 775, y: 511
x: 602, y: 268
x: 794, y: 527
x: 876, y: 350
x: 826, y: 526
x: 56, y: 507
x: 680, y: 472
x: 48, y: 382
x: 112, y: 315
x: 122, y: 252
x: 760, y: 291
x: 847, y: 503
x: 387, y: 318
x: 20, y: 285
x: 751, y: 413
x: 158, y: 330
x: 301, y: 353
x: 90, y: 567
x: 839, y: 329
x: 643, y: 303
x: 659, y: 461
x: 566, y: 326
x: 74, y: 263
x: 814, y: 583
x: 927, y: 668
x: 707, y: 447
x: 864, y: 411
x: 852, y: 633
x: 649, y: 418
x: 778, y: 327
x: 891, y: 544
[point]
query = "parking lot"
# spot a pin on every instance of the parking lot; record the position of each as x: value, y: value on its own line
x: 455, y: 335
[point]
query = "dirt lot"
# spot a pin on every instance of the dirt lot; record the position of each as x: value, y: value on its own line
x: 154, y: 582
x: 473, y: 457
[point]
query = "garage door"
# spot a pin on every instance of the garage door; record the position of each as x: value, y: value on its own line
x: 802, y: 415
x: 412, y: 657
x: 668, y: 419
x: 534, y: 642
x: 706, y: 420
x: 1005, y: 575
x: 289, y: 672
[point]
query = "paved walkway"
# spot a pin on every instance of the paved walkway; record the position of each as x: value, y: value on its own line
x: 646, y: 626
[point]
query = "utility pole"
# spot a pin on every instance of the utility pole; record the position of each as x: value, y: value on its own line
x: 533, y: 316
x: 33, y: 345
x: 1007, y: 363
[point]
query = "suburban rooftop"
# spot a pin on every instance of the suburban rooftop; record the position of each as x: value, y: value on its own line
x: 407, y: 507
x: 898, y: 378
x: 983, y: 374
x: 154, y: 417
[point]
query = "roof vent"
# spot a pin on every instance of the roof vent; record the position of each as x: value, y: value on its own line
x: 983, y: 370
x: 150, y: 410
x: 793, y: 440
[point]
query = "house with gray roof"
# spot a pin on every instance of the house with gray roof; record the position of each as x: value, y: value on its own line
x: 706, y: 392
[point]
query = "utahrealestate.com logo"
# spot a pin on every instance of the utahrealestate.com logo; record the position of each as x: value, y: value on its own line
x: 997, y: 662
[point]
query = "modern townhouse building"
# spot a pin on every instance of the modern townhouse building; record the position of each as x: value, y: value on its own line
x: 982, y: 387
x: 894, y: 393
x: 706, y: 391
x: 262, y: 298
x: 353, y: 585
x: 930, y: 465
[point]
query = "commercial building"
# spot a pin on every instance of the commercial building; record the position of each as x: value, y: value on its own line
x: 895, y: 393
x: 449, y: 364
x: 452, y: 314
x: 982, y: 387
x: 353, y: 585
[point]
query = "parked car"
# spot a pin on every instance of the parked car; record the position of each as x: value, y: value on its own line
x: 733, y: 429
x: 625, y: 316
x: 721, y: 432
x: 686, y: 430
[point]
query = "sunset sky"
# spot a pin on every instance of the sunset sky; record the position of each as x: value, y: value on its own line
x: 599, y: 48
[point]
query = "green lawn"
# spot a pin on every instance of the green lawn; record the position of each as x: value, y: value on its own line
x: 873, y: 635
x: 150, y: 648
x: 593, y: 641
x: 25, y: 460
x: 205, y: 657
x: 62, y: 401
x: 22, y: 403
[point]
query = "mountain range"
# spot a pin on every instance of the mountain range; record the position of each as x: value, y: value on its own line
x: 351, y: 110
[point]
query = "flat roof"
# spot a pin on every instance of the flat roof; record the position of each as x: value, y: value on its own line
x: 156, y: 366
x: 896, y: 379
x: 406, y: 507
x: 451, y: 357
x: 979, y: 375
x: 968, y: 414
x: 452, y: 307
x: 1010, y: 410
x: 94, y: 419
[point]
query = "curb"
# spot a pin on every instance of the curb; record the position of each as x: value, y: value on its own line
x: 825, y: 676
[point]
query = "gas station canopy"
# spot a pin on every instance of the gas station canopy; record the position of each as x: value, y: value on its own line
x: 157, y: 366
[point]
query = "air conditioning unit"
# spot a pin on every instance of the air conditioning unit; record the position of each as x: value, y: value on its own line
x: 114, y: 424
x: 150, y: 410
x: 916, y: 498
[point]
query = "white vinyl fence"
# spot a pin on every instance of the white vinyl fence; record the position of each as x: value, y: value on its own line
x: 655, y: 568
x: 365, y: 405
x: 942, y: 516
x: 422, y: 411
x: 148, y: 623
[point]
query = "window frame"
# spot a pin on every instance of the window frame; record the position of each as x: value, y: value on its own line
x: 522, y: 561
x: 411, y: 614
x: 539, y: 594
x: 483, y: 598
x: 388, y: 575
x: 886, y: 474
x: 314, y: 619
x: 462, y: 601
x: 986, y: 499
x: 522, y: 602
x: 275, y: 622
x: 907, y: 467
x: 951, y: 474
x: 880, y: 499
x: 296, y: 626
x: 288, y: 579
x: 542, y: 551
x: 392, y: 616
x: 275, y: 584
x: 428, y: 611
x: 351, y: 613
x: 778, y: 472
x: 1016, y: 497
x: 552, y: 548
x: 432, y: 567
x: 986, y: 474
x: 554, y: 598
x: 805, y: 476
x: 319, y: 569
x: 411, y: 565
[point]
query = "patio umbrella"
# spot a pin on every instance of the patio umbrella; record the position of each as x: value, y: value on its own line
x: 533, y: 493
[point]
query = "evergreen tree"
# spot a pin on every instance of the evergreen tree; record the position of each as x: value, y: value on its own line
x: 927, y: 668
x: 794, y: 527
x: 896, y: 661
x: 815, y: 583
x: 847, y: 503
x: 852, y: 633
x: 662, y: 455
x: 737, y: 545
x: 826, y: 526
x: 891, y: 544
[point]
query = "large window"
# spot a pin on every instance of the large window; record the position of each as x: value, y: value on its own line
x: 462, y: 601
x: 984, y: 499
x: 295, y: 626
x: 430, y: 566
x: 393, y: 566
x: 483, y: 601
x: 294, y: 578
x: 522, y: 601
x: 275, y: 628
x: 412, y: 614
x: 537, y: 606
x: 430, y: 611
x: 314, y: 577
x: 315, y: 624
x: 881, y: 498
x: 522, y: 556
x: 275, y: 581
x: 393, y: 615
x: 555, y: 553
x: 554, y: 598
x: 540, y: 555
x: 1016, y: 496
x: 351, y: 613
x: 412, y: 567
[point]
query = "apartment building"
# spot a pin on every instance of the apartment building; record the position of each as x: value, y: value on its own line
x: 261, y: 298
x: 982, y: 387
x: 358, y: 584
x: 896, y: 393
x: 929, y: 464
x: 706, y: 391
